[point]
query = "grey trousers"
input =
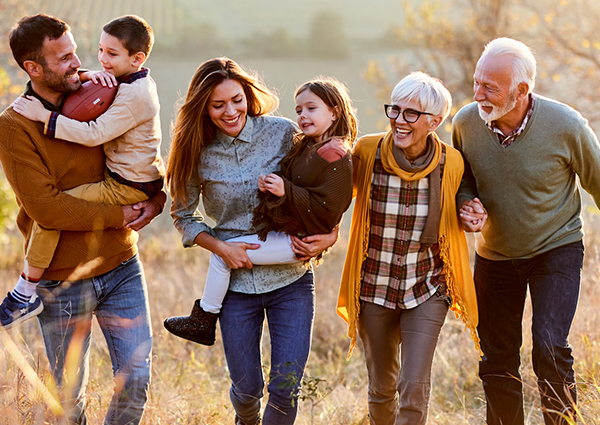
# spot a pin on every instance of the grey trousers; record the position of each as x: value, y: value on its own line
x: 400, y: 386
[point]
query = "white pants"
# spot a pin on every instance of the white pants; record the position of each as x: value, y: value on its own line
x: 277, y: 249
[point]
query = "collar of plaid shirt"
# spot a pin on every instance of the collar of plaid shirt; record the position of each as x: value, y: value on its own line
x: 507, y: 140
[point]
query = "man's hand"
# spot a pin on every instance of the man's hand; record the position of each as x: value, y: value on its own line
x: 473, y: 215
x: 31, y: 108
x: 129, y: 215
x: 311, y: 246
x: 146, y: 211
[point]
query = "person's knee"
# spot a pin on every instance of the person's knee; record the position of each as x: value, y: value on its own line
x: 133, y: 386
x: 553, y: 362
x: 414, y: 393
x: 247, y: 392
x: 381, y: 392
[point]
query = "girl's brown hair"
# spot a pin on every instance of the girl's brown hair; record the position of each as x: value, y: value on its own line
x: 193, y: 129
x: 335, y: 95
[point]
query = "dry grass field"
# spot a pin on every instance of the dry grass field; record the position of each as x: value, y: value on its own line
x: 190, y: 382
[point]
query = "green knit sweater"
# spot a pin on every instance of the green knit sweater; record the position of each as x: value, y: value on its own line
x: 529, y: 189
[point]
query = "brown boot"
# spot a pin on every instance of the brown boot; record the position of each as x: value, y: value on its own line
x: 200, y: 326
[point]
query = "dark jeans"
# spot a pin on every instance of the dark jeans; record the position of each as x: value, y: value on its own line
x: 553, y: 278
x: 289, y: 312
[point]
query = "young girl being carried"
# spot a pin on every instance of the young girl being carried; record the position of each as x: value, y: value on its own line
x: 307, y: 197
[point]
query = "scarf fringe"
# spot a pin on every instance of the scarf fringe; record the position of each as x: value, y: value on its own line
x: 458, y: 305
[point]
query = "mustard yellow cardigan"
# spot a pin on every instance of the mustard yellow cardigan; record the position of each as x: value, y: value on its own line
x: 451, y: 239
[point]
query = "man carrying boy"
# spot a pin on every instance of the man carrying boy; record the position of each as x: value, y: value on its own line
x: 95, y: 269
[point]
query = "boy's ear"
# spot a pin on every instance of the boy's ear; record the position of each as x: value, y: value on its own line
x: 139, y: 58
x: 33, y: 68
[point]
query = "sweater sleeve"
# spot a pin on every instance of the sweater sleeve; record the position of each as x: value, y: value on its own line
x: 468, y: 186
x: 586, y: 161
x: 321, y: 207
x: 130, y: 108
x: 37, y: 192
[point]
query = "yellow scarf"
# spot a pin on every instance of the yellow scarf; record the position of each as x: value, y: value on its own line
x: 452, y: 241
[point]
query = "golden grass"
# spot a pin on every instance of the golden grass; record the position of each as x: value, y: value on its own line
x: 190, y: 382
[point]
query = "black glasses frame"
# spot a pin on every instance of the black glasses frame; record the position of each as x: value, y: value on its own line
x: 394, y: 111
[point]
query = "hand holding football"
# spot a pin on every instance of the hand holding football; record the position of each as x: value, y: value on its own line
x: 89, y: 102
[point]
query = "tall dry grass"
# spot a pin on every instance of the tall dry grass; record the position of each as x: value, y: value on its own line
x: 190, y: 382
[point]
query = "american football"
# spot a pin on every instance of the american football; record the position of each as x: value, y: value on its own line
x: 89, y: 102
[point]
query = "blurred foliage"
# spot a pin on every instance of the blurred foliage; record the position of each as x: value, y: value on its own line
x: 326, y: 37
x: 11, y: 85
x: 446, y: 38
x: 277, y: 43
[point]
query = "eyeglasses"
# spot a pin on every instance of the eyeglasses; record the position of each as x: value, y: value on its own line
x: 409, y: 115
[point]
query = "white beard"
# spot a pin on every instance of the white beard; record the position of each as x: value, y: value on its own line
x: 497, y: 111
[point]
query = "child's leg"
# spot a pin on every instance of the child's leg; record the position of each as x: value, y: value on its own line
x: 38, y: 255
x: 277, y: 249
x: 108, y: 191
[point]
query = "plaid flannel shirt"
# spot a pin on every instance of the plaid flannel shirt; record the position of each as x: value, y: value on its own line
x: 398, y: 271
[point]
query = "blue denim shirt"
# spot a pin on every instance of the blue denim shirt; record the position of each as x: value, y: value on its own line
x: 228, y: 174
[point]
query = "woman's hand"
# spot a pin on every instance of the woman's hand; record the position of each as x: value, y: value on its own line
x: 271, y: 183
x: 31, y: 108
x: 311, y: 246
x: 473, y: 215
x: 234, y: 254
x: 100, y: 77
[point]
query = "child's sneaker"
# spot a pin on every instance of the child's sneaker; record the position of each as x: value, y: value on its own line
x: 200, y: 326
x: 13, y: 312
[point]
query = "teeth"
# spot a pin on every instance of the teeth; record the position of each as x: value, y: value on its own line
x: 230, y: 121
x: 402, y: 132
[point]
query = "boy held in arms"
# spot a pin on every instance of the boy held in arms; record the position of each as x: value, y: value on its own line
x: 130, y: 133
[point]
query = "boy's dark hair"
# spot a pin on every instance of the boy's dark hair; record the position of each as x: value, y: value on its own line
x: 134, y: 32
x: 27, y: 37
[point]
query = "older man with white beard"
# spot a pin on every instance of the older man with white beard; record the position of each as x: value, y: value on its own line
x: 523, y: 153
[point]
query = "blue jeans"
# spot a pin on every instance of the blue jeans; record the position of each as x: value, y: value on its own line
x: 289, y: 312
x: 553, y: 279
x: 119, y: 299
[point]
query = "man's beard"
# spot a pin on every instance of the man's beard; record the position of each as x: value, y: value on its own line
x: 59, y: 83
x: 497, y: 111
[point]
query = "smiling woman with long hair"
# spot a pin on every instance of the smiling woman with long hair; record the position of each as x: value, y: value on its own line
x: 223, y: 141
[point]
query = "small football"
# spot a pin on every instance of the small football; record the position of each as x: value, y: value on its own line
x: 89, y: 101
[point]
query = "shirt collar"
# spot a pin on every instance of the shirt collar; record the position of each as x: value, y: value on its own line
x: 515, y: 133
x: 244, y: 136
x: 130, y: 78
x: 49, y: 106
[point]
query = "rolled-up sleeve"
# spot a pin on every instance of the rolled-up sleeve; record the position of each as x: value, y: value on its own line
x: 187, y: 218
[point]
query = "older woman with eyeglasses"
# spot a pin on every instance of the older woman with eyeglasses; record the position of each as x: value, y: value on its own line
x: 407, y: 259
